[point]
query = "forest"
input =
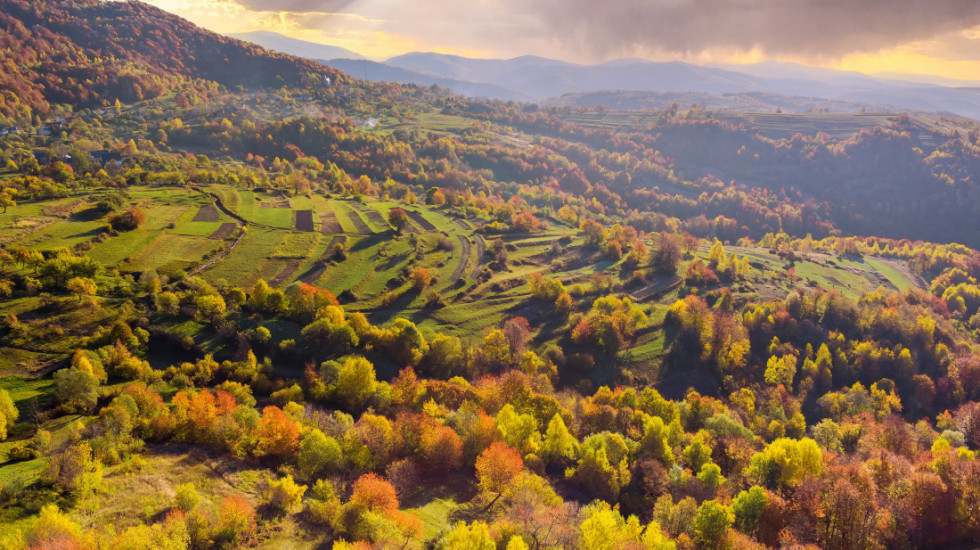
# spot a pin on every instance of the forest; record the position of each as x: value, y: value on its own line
x: 247, y: 301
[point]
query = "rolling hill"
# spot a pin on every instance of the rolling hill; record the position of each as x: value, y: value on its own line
x: 86, y: 53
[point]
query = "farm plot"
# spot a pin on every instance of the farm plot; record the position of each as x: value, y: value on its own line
x: 329, y: 224
x: 304, y: 220
x: 296, y: 245
x: 226, y: 230
x: 314, y: 272
x: 358, y: 221
x: 245, y: 264
x: 169, y: 252
x: 464, y: 258
x: 375, y: 217
x: 120, y: 248
x: 274, y: 212
x: 481, y: 250
x: 425, y: 224
x: 207, y: 213
x: 286, y: 272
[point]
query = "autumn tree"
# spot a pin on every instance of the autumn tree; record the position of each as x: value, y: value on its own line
x: 496, y: 467
x: 277, y: 435
x: 81, y: 287
x: 398, y: 218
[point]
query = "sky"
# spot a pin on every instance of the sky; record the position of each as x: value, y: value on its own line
x: 932, y: 37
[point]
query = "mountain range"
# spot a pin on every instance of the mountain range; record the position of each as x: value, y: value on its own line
x: 537, y: 79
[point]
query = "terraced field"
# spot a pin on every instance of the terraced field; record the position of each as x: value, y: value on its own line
x: 282, y: 243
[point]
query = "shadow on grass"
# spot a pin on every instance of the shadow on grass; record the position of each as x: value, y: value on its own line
x: 385, y: 314
x: 372, y: 240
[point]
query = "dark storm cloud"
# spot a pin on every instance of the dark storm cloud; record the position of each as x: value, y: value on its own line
x: 809, y: 27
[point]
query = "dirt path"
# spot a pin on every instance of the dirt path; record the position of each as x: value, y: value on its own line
x: 464, y: 257
x: 217, y: 258
x: 481, y: 249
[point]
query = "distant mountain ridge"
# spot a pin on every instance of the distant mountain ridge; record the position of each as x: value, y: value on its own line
x: 373, y: 70
x: 544, y: 78
x: 300, y: 48
x: 538, y: 79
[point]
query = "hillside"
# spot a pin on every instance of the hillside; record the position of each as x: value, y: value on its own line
x: 88, y: 53
x: 260, y: 311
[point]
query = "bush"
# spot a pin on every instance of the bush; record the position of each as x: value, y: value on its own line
x: 128, y: 220
x: 187, y: 497
x: 282, y: 495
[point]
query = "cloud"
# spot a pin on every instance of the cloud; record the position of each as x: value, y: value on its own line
x: 810, y: 28
x: 813, y: 28
x: 323, y: 6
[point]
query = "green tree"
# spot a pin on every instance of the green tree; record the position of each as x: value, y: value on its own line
x: 8, y: 413
x: 475, y: 536
x: 356, y: 382
x: 210, y: 307
x: 698, y: 452
x: 559, y: 444
x: 748, y: 507
x: 7, y: 199
x: 785, y: 462
x: 654, y: 443
x: 76, y: 388
x: 710, y: 524
x: 318, y: 453
x: 710, y: 476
